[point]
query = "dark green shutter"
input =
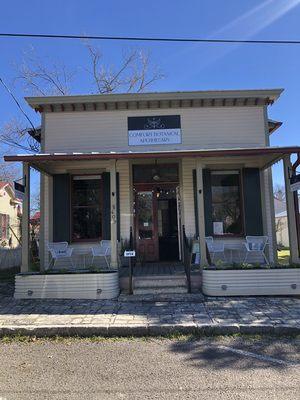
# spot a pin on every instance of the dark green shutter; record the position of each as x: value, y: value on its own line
x: 107, y: 208
x: 195, y: 202
x: 61, y: 208
x: 252, y: 202
x: 207, y: 202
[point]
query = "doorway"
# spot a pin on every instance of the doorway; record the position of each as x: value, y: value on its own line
x: 156, y: 222
x: 156, y: 202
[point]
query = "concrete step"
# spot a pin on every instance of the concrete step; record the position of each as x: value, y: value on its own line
x: 160, y: 282
x: 154, y: 290
x: 164, y: 297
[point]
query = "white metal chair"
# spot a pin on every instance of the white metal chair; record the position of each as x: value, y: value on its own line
x: 59, y: 251
x: 102, y: 250
x: 256, y: 244
x: 215, y: 247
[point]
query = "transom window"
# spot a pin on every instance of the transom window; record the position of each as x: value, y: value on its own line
x: 86, y: 207
x: 226, y: 203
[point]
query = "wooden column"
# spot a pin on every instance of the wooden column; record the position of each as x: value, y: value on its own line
x: 42, y: 224
x: 291, y: 214
x: 25, y: 220
x: 201, y: 216
x: 113, y: 214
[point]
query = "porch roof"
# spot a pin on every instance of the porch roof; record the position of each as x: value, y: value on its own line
x: 263, y: 156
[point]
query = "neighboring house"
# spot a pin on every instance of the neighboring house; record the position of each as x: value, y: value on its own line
x: 281, y: 222
x: 282, y: 231
x: 153, y: 163
x: 10, y: 216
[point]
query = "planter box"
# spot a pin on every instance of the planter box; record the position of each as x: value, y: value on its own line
x: 98, y: 286
x: 283, y: 281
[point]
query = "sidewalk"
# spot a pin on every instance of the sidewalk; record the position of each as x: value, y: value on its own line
x: 203, y: 315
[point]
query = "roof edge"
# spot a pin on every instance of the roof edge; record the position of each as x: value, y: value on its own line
x: 272, y: 94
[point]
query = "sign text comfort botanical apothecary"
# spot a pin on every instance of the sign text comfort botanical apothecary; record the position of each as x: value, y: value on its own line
x: 143, y: 131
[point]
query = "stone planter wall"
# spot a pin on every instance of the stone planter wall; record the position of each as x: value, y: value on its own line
x: 285, y: 281
x: 67, y: 286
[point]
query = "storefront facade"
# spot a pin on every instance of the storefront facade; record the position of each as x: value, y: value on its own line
x: 153, y: 163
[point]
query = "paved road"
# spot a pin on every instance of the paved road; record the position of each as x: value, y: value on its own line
x: 231, y: 368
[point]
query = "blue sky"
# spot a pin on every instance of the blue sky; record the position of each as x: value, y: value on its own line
x: 186, y: 66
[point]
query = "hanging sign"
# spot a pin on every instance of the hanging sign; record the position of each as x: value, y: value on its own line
x: 295, y: 183
x: 19, y: 190
x: 147, y: 131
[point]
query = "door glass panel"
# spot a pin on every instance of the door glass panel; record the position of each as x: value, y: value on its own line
x: 145, y: 214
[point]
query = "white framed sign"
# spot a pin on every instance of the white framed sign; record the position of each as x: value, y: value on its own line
x: 129, y: 253
x: 152, y: 130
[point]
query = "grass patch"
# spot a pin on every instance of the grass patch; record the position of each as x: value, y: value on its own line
x: 173, y: 337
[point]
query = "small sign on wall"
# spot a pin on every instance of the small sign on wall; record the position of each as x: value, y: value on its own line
x: 129, y: 253
x: 152, y: 130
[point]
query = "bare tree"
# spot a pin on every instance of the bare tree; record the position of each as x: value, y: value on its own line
x: 8, y: 172
x: 41, y: 79
x: 279, y: 192
x: 14, y: 134
x: 134, y: 73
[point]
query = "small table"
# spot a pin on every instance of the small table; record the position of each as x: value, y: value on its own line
x: 81, y: 252
x: 237, y: 247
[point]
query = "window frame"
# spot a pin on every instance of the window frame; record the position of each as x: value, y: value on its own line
x: 94, y: 240
x: 242, y: 204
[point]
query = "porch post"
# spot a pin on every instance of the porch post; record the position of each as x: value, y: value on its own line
x: 25, y: 220
x: 201, y: 216
x: 291, y: 214
x: 113, y: 214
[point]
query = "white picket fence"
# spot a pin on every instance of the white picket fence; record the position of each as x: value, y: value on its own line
x: 10, y: 258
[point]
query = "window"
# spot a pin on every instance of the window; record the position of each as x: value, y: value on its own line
x: 226, y: 203
x: 86, y: 207
x: 4, y: 226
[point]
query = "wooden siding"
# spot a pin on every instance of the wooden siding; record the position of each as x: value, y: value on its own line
x: 124, y: 192
x: 215, y: 127
x: 188, y: 206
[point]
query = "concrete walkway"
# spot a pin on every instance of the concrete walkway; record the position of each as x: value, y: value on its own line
x: 192, y: 314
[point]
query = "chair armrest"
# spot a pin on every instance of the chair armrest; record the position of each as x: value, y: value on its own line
x: 69, y: 251
x: 247, y: 246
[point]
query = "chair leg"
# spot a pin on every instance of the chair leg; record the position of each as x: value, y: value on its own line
x: 246, y: 256
x: 50, y: 262
x: 265, y: 257
x: 107, y: 263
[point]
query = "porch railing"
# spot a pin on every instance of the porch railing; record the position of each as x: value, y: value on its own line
x: 186, y: 258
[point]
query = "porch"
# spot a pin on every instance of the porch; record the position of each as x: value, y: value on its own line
x: 191, y: 192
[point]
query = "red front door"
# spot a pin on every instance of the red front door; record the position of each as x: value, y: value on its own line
x: 146, y: 231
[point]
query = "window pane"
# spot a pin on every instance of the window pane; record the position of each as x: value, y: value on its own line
x: 86, y: 209
x: 155, y: 173
x: 144, y: 215
x: 86, y: 192
x: 226, y: 203
x: 86, y: 223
